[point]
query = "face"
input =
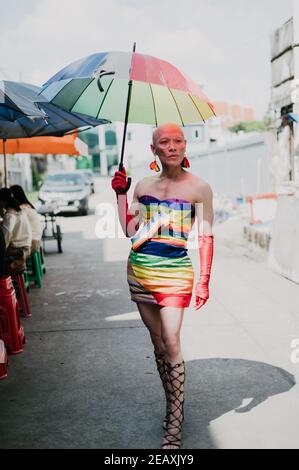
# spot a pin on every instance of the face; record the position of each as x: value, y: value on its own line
x: 169, y: 144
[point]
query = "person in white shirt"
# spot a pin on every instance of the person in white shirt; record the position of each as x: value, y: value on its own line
x: 32, y: 215
x: 16, y: 229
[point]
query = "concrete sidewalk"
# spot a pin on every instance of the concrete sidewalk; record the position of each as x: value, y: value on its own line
x: 87, y: 376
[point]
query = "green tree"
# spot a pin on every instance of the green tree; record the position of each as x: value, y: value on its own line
x: 252, y: 126
x: 36, y: 177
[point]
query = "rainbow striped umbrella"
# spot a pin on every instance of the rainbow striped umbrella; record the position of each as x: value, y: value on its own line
x: 97, y: 85
x: 128, y: 87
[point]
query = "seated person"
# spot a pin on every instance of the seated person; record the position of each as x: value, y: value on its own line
x: 17, y: 232
x: 32, y: 215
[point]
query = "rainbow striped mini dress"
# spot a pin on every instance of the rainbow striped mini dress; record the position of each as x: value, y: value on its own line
x: 160, y: 271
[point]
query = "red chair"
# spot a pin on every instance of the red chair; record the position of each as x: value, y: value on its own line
x: 3, y: 360
x: 22, y: 298
x: 12, y: 331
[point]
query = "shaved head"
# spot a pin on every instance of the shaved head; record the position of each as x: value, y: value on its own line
x: 166, y: 128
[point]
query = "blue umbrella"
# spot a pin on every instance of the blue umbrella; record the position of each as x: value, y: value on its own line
x: 24, y: 112
x: 49, y: 119
x: 15, y: 97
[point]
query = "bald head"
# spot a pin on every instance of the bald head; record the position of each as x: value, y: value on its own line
x: 164, y: 129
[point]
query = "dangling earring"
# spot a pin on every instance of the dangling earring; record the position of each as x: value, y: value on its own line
x: 154, y: 166
x: 185, y: 162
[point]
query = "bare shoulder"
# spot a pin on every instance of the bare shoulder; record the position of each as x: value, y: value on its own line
x: 202, y: 188
x: 142, y: 184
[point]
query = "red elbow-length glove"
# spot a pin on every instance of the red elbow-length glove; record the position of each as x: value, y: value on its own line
x: 119, y: 183
x: 206, y: 249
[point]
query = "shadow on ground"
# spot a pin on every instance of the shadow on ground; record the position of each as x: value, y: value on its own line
x: 94, y: 390
x: 218, y: 386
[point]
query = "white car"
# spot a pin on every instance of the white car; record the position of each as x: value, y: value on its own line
x: 67, y: 191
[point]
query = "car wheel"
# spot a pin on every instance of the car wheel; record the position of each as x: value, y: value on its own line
x: 84, y: 211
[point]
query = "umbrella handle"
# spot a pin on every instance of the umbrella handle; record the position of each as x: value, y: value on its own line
x: 126, y: 189
x: 121, y: 166
x: 129, y: 180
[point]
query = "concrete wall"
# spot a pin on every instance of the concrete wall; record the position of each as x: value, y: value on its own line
x: 284, y: 246
x: 238, y: 168
x: 19, y: 170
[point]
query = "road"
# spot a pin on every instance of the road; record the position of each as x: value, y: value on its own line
x: 87, y: 376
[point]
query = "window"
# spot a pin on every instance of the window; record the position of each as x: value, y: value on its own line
x: 197, y: 134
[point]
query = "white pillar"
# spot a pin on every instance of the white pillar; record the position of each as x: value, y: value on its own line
x: 102, y: 147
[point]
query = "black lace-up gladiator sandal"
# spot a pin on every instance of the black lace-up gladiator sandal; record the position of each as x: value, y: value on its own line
x: 175, y: 417
x: 160, y: 361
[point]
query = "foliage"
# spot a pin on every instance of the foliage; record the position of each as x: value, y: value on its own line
x: 251, y: 126
x: 36, y: 177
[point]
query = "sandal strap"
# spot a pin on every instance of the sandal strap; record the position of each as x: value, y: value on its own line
x: 175, y: 415
x: 161, y: 367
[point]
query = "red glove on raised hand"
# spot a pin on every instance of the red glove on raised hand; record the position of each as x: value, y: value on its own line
x: 119, y: 182
x: 206, y: 249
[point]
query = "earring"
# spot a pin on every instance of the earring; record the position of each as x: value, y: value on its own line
x: 185, y: 162
x: 154, y: 166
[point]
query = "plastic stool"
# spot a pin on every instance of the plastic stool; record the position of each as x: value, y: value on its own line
x: 12, y: 331
x: 20, y: 289
x: 34, y: 269
x: 3, y: 360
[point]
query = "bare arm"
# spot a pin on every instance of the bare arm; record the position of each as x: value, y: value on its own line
x: 129, y: 217
x: 204, y: 210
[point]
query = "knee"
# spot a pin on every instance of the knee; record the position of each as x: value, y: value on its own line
x: 172, y: 344
x: 157, y: 342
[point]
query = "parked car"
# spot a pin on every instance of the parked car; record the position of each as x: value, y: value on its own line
x: 67, y: 191
x: 88, y: 175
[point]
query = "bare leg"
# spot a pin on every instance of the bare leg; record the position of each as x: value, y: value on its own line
x: 164, y: 325
x: 171, y: 322
x: 150, y: 315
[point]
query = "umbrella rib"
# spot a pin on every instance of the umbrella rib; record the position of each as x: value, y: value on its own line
x: 78, y: 97
x: 153, y: 104
x: 103, y: 100
x: 81, y: 129
x: 67, y: 119
x: 176, y: 106
x: 212, y: 109
x: 190, y: 96
x: 20, y: 124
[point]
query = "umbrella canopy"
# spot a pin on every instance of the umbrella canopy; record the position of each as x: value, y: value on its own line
x: 97, y: 85
x: 15, y: 98
x: 54, y: 121
x: 25, y: 112
x: 67, y: 145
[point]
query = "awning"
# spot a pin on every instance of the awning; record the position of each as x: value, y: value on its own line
x: 67, y: 145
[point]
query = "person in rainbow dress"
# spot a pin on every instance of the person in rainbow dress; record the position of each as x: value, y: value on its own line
x: 159, y: 271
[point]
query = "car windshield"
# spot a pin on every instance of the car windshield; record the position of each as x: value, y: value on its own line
x: 64, y: 179
x: 86, y: 174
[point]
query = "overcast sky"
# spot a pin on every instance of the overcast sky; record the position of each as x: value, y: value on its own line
x: 224, y: 45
